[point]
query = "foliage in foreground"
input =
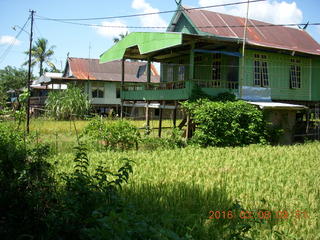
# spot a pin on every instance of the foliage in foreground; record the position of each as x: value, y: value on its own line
x: 26, y: 184
x: 71, y: 103
x: 83, y: 205
x: 226, y: 123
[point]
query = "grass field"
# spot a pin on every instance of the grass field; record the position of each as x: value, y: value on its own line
x: 62, y: 135
x: 178, y: 188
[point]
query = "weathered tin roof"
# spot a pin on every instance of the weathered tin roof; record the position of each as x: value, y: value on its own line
x: 258, y: 33
x: 91, y: 69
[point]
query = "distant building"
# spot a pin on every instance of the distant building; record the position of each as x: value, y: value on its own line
x: 102, y: 82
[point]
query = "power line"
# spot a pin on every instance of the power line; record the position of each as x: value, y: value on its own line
x: 7, y: 50
x: 200, y: 27
x: 145, y: 14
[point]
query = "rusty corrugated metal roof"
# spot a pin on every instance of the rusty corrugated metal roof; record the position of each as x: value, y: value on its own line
x: 91, y: 69
x: 258, y: 33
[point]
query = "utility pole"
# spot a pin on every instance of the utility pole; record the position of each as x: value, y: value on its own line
x: 29, y: 73
x: 243, y: 72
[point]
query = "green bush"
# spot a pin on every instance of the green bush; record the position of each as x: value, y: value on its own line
x: 121, y: 135
x: 114, y: 135
x: 174, y: 141
x: 26, y: 183
x: 71, y: 103
x: 197, y: 93
x: 226, y: 123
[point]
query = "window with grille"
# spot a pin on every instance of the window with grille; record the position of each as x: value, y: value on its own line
x: 169, y: 73
x: 295, y: 73
x: 261, y: 77
x: 216, y: 67
x: 181, y: 73
x: 97, y: 90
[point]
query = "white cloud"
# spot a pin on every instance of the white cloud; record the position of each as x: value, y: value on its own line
x: 279, y: 12
x: 153, y: 20
x: 9, y: 40
x: 112, y: 28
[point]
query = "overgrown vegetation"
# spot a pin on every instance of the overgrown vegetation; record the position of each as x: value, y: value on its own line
x: 114, y: 135
x: 226, y: 123
x: 123, y: 135
x: 71, y: 103
x: 169, y: 196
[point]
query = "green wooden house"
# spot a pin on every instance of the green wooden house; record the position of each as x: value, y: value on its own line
x: 205, y: 49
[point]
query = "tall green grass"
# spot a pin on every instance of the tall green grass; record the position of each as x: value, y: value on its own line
x: 177, y: 188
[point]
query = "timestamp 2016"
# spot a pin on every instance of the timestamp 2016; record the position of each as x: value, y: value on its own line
x: 262, y: 214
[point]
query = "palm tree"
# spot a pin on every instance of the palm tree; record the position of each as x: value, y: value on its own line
x: 41, y: 54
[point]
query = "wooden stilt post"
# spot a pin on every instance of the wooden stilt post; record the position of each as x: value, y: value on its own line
x: 122, y: 86
x: 147, y: 118
x: 148, y: 73
x: 175, y: 114
x: 160, y: 119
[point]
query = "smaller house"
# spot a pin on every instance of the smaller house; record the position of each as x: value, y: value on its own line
x: 102, y: 82
x: 40, y: 89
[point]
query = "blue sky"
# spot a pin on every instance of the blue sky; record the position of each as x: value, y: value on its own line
x: 77, y: 39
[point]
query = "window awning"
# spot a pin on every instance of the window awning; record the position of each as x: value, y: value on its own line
x: 146, y: 42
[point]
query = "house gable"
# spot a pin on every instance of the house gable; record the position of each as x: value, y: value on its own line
x: 181, y: 23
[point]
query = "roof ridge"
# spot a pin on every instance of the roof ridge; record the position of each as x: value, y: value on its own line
x: 83, y: 58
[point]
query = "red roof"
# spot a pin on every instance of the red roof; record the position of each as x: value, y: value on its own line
x: 91, y: 69
x: 258, y: 33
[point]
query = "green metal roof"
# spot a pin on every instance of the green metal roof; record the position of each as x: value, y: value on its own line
x: 145, y: 41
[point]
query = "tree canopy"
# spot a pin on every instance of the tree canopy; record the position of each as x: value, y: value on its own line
x: 41, y: 54
x: 12, y: 78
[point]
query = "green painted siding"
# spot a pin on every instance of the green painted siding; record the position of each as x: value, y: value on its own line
x: 110, y: 89
x: 174, y: 94
x: 315, y: 79
x: 279, y: 75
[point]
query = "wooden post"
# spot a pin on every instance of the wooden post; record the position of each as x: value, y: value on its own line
x: 175, y: 114
x: 190, y: 83
x: 160, y: 119
x: 122, y: 86
x: 191, y: 62
x: 147, y: 118
x: 29, y: 75
x: 148, y: 73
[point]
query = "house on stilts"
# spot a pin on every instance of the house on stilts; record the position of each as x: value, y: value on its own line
x: 279, y: 69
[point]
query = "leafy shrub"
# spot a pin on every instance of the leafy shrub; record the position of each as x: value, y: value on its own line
x: 226, y: 123
x: 121, y: 135
x: 174, y: 141
x: 67, y: 104
x: 197, y: 94
x: 84, y: 195
x: 115, y: 135
x: 26, y: 182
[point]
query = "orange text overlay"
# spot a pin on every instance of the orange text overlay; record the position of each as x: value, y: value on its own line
x: 263, y: 214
